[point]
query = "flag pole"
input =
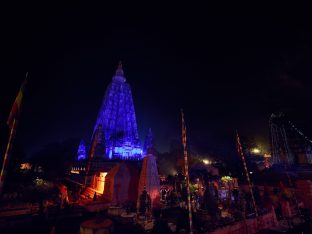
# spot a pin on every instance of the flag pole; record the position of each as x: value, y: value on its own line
x: 6, y: 156
x: 12, y: 123
x: 186, y: 173
x: 240, y: 152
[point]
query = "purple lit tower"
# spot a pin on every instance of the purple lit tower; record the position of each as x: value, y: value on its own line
x: 117, y: 116
x: 82, y: 154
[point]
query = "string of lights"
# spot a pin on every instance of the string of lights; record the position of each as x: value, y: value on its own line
x: 299, y: 132
x: 186, y: 173
x: 240, y: 152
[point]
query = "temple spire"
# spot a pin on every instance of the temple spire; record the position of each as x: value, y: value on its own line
x: 149, y: 144
x: 119, y: 121
x: 119, y: 71
x: 81, y: 154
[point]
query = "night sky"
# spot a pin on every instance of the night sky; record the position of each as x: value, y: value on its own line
x: 228, y: 68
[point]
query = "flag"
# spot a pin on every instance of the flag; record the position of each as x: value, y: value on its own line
x: 15, y: 111
x: 16, y: 108
x: 183, y: 130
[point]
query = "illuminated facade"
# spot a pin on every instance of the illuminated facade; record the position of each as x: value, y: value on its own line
x: 117, y: 116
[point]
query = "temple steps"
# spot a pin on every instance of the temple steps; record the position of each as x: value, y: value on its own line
x: 88, y: 193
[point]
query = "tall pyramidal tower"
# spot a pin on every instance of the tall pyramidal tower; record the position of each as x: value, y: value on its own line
x: 117, y: 116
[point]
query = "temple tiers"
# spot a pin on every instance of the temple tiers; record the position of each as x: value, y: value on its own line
x: 117, y: 116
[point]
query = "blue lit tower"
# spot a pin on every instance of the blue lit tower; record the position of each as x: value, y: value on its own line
x: 82, y: 154
x: 117, y: 116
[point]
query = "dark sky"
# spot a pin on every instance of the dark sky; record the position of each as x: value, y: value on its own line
x: 228, y: 68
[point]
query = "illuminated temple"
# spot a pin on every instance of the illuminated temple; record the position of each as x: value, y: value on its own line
x: 109, y: 162
x: 117, y: 116
x: 117, y: 120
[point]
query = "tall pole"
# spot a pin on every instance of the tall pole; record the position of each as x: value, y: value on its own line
x: 240, y: 151
x: 7, y: 155
x: 12, y: 123
x: 187, y: 174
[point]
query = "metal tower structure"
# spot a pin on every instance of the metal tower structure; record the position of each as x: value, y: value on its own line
x: 117, y: 116
x: 289, y: 145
